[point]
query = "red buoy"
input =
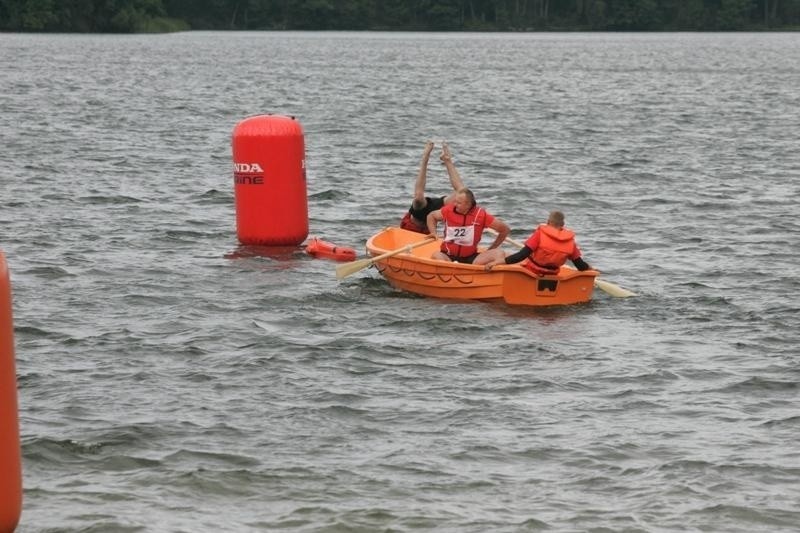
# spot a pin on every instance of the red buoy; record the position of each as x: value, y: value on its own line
x: 10, y: 455
x: 269, y: 176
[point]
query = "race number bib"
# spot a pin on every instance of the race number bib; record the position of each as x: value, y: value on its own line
x: 461, y: 235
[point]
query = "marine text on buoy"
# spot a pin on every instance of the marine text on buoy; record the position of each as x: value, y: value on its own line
x: 10, y: 455
x: 269, y: 178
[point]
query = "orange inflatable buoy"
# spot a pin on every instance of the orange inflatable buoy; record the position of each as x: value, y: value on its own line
x: 319, y: 248
x: 10, y: 455
x: 269, y: 181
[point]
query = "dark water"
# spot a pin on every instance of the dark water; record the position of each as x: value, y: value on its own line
x: 170, y: 380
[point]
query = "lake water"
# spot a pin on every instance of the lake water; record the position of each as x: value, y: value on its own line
x: 171, y: 380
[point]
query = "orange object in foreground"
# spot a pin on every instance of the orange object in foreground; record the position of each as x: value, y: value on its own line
x: 10, y: 467
x: 319, y: 248
x: 415, y: 272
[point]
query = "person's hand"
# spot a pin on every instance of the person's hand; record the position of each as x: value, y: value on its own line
x: 446, y: 155
x: 488, y: 266
x: 428, y: 148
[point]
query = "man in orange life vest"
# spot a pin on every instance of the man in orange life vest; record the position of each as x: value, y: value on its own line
x: 417, y: 216
x: 464, y: 222
x: 547, y: 248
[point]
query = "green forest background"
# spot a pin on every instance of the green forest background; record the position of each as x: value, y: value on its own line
x: 135, y: 16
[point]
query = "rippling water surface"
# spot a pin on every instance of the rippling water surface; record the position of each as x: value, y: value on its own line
x: 171, y: 380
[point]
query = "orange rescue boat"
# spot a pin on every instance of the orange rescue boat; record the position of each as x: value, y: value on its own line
x: 414, y: 271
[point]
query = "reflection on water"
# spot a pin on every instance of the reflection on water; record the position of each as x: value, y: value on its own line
x: 276, y: 253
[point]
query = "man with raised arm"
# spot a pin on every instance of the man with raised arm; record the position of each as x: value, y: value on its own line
x: 416, y: 219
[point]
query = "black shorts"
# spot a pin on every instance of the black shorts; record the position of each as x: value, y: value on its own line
x: 466, y: 259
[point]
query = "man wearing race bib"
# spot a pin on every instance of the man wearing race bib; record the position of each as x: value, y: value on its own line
x: 464, y: 222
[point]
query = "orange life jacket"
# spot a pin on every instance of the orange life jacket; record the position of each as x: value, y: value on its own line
x: 555, y: 247
x: 410, y: 224
x: 468, y: 226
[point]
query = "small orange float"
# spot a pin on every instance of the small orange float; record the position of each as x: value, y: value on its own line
x: 414, y: 271
x: 327, y: 250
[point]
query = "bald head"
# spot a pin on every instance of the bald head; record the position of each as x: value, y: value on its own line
x: 465, y: 200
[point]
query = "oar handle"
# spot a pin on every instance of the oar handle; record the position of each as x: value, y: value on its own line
x: 407, y: 248
x: 347, y: 269
x: 507, y: 239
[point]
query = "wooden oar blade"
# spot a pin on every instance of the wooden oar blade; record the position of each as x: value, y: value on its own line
x: 614, y: 290
x: 347, y: 269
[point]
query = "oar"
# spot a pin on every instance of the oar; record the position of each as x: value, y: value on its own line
x: 611, y: 289
x: 605, y: 286
x: 347, y: 269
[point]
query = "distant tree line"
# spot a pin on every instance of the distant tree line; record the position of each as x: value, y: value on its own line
x: 127, y: 16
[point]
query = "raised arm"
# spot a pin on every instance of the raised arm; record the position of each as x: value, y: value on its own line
x: 419, y: 185
x: 452, y: 172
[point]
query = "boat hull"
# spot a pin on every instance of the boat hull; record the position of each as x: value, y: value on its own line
x: 414, y: 271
